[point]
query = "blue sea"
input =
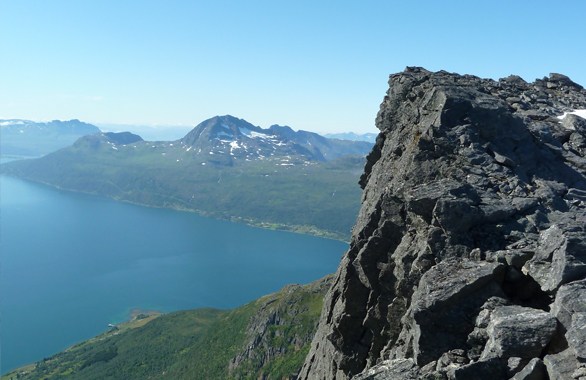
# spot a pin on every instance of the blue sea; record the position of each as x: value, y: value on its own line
x: 70, y: 264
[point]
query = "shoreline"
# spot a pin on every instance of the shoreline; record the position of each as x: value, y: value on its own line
x: 137, y: 318
x: 296, y: 229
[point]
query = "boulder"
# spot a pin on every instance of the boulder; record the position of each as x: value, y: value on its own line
x: 516, y: 331
x: 398, y: 369
x: 561, y: 366
x: 448, y: 296
x: 576, y: 336
x: 490, y: 369
x: 534, y: 370
x: 560, y: 258
x: 570, y: 299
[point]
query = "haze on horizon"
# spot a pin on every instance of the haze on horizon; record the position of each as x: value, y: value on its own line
x: 317, y: 66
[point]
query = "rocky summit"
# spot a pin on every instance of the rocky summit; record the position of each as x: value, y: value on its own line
x: 468, y: 257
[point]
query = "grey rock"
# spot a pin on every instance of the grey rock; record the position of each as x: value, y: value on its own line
x: 517, y: 258
x: 515, y: 364
x: 576, y: 195
x: 561, y: 257
x: 576, y: 335
x: 503, y: 160
x: 478, y: 337
x: 518, y: 331
x: 452, y: 358
x: 570, y: 299
x: 534, y: 370
x: 473, y: 190
x: 397, y: 369
x: 561, y: 366
x: 574, y: 123
x: 421, y: 200
x: 437, y: 326
x: 563, y: 80
x: 580, y: 373
x: 482, y: 370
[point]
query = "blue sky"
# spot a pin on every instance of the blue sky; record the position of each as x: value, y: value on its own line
x: 315, y: 65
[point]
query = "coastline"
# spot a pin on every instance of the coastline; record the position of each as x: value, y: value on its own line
x: 297, y: 229
x: 137, y: 318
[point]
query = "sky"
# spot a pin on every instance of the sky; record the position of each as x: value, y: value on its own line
x: 321, y: 66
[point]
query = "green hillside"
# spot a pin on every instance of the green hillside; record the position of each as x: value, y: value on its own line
x: 320, y: 198
x: 267, y: 337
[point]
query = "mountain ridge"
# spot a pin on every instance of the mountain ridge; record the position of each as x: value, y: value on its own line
x: 29, y: 138
x: 280, y: 180
x: 239, y: 139
x: 370, y: 137
x: 468, y: 257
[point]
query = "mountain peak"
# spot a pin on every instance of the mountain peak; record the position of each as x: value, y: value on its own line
x: 218, y: 127
x: 122, y: 138
x: 228, y: 138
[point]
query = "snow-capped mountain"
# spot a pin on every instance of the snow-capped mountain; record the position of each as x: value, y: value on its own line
x: 29, y: 138
x: 236, y: 139
x: 56, y: 126
x: 370, y: 137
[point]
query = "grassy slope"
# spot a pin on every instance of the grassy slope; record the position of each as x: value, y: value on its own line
x: 269, y: 336
x: 318, y: 198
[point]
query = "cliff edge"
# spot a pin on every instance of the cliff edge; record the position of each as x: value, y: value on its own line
x: 468, y: 257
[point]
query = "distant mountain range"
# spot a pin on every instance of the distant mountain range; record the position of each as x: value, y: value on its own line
x: 227, y: 140
x: 225, y: 167
x: 149, y: 132
x: 222, y: 134
x: 231, y: 139
x: 29, y: 138
x: 369, y: 137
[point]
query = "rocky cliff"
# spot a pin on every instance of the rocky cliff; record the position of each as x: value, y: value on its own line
x: 468, y: 258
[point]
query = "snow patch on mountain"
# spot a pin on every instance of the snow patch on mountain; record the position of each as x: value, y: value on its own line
x: 579, y: 113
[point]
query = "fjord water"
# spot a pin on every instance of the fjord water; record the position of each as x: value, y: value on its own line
x: 73, y: 263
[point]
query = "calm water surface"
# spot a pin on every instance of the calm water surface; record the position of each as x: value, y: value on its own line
x: 71, y: 264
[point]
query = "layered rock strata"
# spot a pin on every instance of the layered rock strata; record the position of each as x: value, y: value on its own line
x: 468, y: 258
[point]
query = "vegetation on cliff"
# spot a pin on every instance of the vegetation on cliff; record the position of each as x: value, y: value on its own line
x: 268, y: 337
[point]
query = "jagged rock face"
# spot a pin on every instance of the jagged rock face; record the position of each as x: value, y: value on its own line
x: 284, y: 323
x: 470, y: 247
